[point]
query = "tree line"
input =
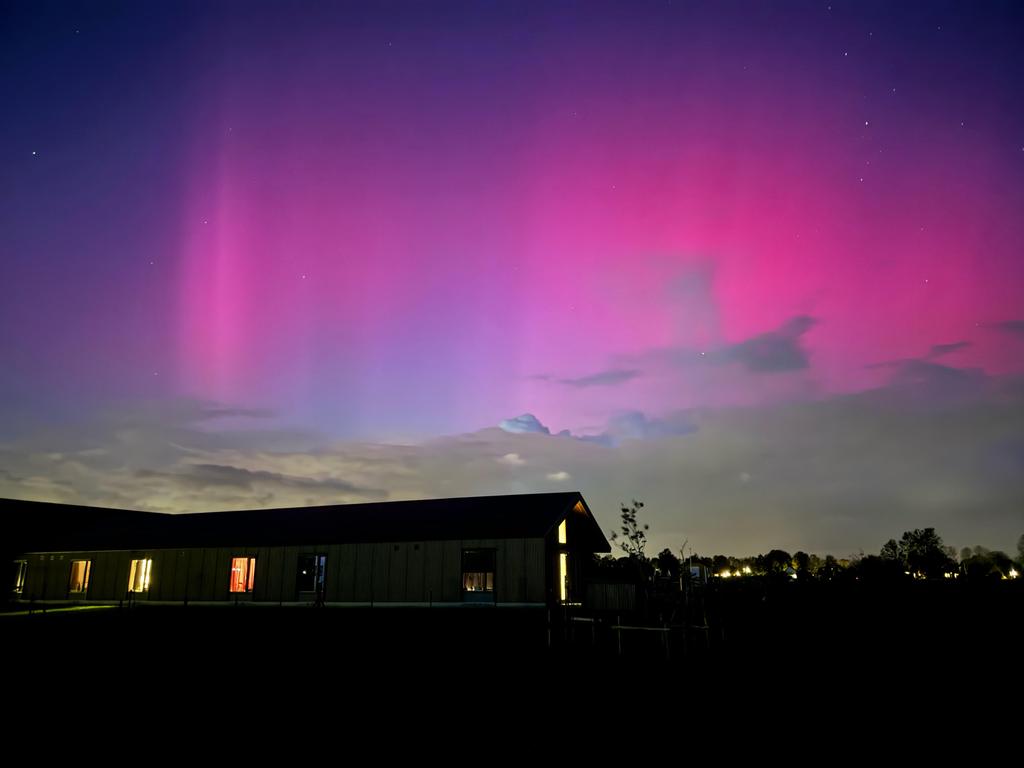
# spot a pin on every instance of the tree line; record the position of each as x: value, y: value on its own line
x: 918, y: 554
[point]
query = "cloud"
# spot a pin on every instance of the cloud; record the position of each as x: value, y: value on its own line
x: 937, y: 382
x: 834, y: 475
x: 181, y: 411
x: 626, y: 425
x: 512, y: 459
x: 773, y: 351
x: 940, y: 350
x: 722, y: 368
x: 930, y: 382
x: 636, y: 425
x: 218, y: 475
x: 603, y: 378
x: 1014, y: 327
x: 526, y: 423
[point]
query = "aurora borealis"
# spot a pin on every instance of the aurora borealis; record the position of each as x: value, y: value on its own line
x: 762, y: 261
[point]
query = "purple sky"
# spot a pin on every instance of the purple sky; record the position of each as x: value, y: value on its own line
x: 763, y: 261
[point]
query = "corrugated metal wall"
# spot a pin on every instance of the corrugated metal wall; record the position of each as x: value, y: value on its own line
x: 396, y: 572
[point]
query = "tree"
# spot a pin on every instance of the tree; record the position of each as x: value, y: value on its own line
x: 878, y: 569
x: 802, y: 563
x: 986, y: 564
x: 891, y: 550
x: 667, y: 563
x: 815, y: 564
x: 830, y: 568
x: 923, y: 553
x: 776, y: 561
x: 633, y: 538
x: 720, y: 563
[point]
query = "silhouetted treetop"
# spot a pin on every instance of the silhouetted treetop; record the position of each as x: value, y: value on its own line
x: 633, y: 537
x: 923, y: 553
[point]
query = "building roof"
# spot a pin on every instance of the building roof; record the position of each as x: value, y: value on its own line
x: 34, y: 526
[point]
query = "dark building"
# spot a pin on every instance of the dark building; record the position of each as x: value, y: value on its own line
x: 522, y: 550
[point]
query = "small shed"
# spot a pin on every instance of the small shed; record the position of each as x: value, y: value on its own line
x: 517, y: 550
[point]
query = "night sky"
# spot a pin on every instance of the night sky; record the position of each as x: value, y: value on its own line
x: 762, y: 261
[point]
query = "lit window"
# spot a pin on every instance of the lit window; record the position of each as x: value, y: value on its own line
x: 312, y: 573
x: 79, y: 579
x: 243, y: 573
x: 478, y: 570
x: 563, y: 572
x: 18, y: 570
x: 562, y: 538
x: 138, y: 578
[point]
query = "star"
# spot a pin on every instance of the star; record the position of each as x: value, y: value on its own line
x: 33, y: 153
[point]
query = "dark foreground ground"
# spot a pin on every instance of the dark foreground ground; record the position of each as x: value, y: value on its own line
x: 792, y: 651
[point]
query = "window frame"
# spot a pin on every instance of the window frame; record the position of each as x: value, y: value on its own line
x: 319, y: 573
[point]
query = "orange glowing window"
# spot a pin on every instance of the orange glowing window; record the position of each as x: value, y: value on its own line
x: 79, y: 579
x: 243, y: 573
